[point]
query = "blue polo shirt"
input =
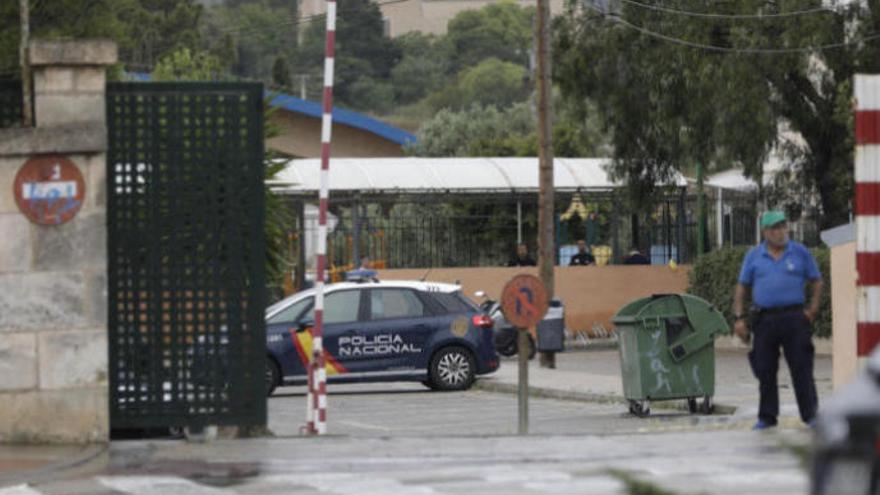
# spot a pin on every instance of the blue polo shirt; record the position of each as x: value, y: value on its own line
x: 778, y: 283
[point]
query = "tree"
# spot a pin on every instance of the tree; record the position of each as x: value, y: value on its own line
x: 503, y: 30
x: 451, y: 133
x: 423, y: 67
x: 668, y: 106
x: 145, y: 30
x: 362, y: 49
x: 186, y: 65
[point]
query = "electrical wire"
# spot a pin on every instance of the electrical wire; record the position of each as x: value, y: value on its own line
x: 709, y: 15
x: 744, y: 50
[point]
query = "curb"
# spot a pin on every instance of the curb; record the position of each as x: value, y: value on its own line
x: 53, y: 469
x: 550, y: 393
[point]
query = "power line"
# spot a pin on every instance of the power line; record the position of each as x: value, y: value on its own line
x: 744, y: 50
x: 292, y: 21
x: 709, y: 15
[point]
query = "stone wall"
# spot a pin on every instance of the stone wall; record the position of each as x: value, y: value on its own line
x: 53, y: 280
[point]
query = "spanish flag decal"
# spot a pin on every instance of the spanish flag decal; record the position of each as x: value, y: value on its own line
x: 303, y: 343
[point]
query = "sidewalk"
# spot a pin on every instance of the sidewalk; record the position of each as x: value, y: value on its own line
x: 594, y: 375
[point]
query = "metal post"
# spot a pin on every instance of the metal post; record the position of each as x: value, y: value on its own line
x: 356, y: 234
x: 680, y: 243
x: 701, y: 213
x: 317, y: 396
x: 867, y: 212
x: 719, y: 218
x: 300, y: 280
x: 615, y: 229
x: 523, y: 388
x: 27, y: 110
x: 519, y: 221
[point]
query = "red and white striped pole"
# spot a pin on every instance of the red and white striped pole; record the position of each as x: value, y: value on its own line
x: 867, y: 175
x: 317, y: 397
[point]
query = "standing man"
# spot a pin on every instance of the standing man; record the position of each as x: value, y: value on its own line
x: 583, y: 256
x: 775, y: 272
x: 522, y: 257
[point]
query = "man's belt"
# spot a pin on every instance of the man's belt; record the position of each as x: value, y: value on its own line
x: 780, y: 309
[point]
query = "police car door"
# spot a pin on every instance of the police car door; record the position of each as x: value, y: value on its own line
x: 342, y: 312
x: 393, y: 336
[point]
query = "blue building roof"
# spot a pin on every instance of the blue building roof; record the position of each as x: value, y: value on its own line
x: 314, y: 109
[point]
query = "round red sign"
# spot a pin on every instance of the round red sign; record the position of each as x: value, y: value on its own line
x: 524, y: 301
x: 49, y: 189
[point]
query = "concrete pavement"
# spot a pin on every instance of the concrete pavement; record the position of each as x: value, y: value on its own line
x: 594, y: 375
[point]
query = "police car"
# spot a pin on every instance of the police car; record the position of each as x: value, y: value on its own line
x: 382, y: 331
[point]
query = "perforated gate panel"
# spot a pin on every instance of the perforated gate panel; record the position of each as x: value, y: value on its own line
x: 10, y: 103
x: 185, y: 210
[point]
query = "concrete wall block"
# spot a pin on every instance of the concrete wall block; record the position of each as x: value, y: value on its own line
x: 8, y: 168
x: 45, y: 300
x: 90, y: 137
x: 18, y: 361
x: 53, y: 80
x: 80, y: 244
x: 90, y: 79
x: 72, y: 52
x: 73, y: 359
x: 96, y: 182
x: 61, y: 109
x: 16, y: 251
x: 73, y: 416
x: 96, y: 298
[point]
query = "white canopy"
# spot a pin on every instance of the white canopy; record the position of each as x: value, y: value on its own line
x: 462, y: 175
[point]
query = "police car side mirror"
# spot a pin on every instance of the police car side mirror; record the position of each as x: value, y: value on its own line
x: 304, y: 325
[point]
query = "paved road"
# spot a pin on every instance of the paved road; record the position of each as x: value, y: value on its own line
x: 412, y: 410
x: 718, y: 463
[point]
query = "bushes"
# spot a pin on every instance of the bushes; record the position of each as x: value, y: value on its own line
x: 715, y: 274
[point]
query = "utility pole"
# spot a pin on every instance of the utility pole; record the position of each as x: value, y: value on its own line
x: 546, y: 244
x: 27, y: 110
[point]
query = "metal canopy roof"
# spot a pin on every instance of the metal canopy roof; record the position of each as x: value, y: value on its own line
x: 444, y: 175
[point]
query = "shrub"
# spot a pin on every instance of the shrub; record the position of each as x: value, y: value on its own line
x: 714, y: 277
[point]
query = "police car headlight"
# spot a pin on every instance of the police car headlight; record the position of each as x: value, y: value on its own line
x: 275, y: 337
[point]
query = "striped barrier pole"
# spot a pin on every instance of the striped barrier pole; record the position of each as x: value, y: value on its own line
x: 317, y: 400
x: 867, y: 212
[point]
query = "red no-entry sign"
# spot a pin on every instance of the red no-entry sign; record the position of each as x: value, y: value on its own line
x: 524, y: 301
x: 49, y: 189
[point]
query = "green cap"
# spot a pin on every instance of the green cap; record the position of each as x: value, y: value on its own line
x: 771, y: 218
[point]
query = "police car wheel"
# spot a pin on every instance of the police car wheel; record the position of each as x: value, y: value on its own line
x: 273, y: 376
x: 452, y: 368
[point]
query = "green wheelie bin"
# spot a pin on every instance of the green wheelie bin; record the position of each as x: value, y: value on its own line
x: 667, y: 351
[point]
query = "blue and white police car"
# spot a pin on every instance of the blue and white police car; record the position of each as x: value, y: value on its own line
x: 382, y: 331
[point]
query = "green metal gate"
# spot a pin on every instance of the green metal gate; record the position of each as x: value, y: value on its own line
x: 186, y: 281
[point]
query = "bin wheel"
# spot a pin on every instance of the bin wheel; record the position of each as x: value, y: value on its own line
x: 692, y: 405
x: 708, y: 406
x: 640, y: 408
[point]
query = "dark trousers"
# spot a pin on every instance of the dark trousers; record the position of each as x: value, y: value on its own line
x: 792, y: 332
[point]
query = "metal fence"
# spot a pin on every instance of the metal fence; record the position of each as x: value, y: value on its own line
x: 455, y: 231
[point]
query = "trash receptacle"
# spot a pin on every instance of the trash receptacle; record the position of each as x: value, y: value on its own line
x: 551, y: 329
x: 667, y: 344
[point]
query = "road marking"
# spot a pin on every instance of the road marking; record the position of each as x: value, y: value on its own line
x: 157, y: 485
x: 348, y: 484
x: 19, y: 490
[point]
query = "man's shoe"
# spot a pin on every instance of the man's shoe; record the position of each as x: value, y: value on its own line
x: 763, y: 425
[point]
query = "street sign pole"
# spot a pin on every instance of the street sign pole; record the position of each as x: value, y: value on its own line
x: 524, y: 301
x: 523, y: 389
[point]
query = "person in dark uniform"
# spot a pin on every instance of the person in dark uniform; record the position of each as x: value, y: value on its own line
x: 636, y: 257
x: 583, y: 256
x: 522, y: 257
x: 775, y: 273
